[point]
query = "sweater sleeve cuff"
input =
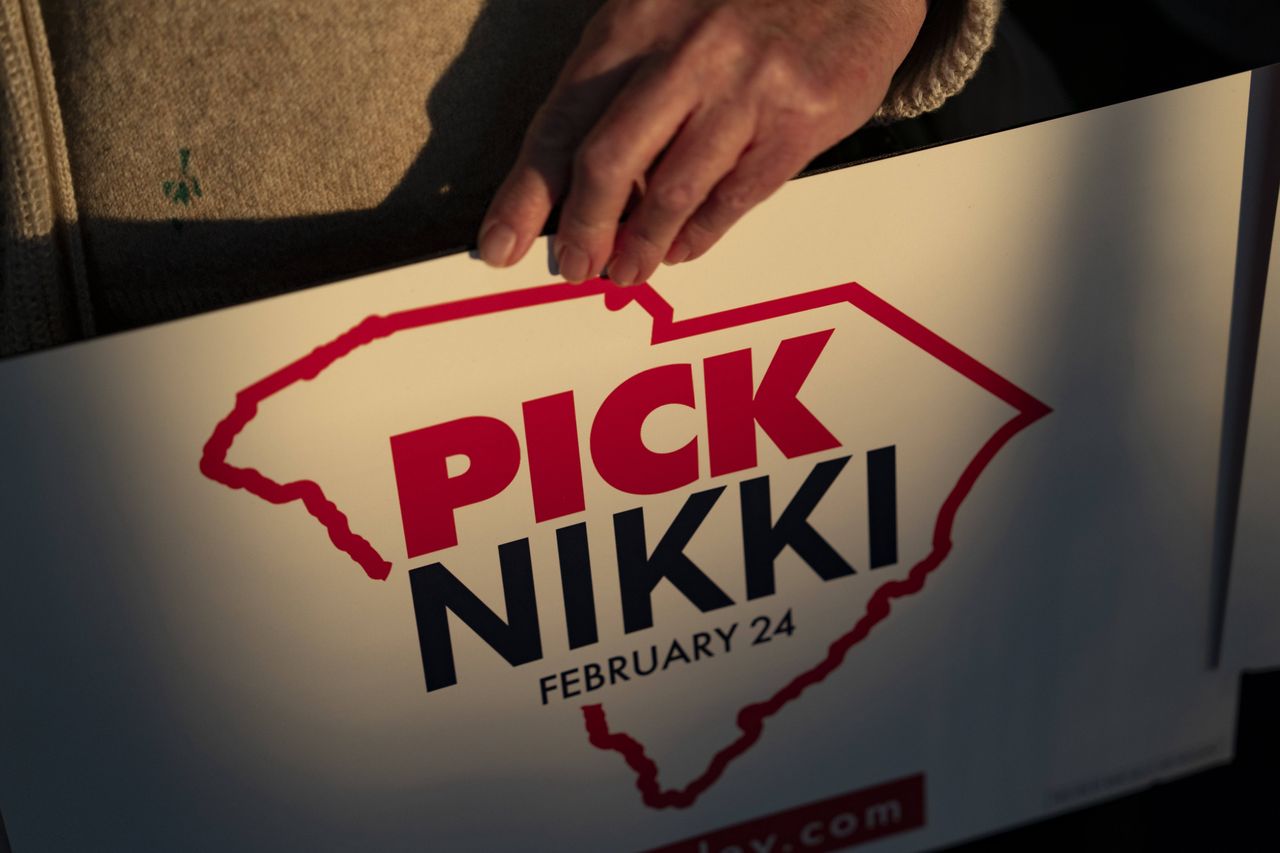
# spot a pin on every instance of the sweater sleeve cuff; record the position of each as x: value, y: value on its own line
x: 946, y: 54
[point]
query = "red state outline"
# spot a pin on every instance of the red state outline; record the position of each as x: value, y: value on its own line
x: 750, y: 719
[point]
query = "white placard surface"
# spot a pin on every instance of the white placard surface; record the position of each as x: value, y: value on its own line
x: 889, y: 522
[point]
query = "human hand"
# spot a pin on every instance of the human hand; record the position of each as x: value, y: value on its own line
x: 700, y: 109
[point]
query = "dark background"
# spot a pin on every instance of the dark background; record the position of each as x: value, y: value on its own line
x: 1056, y: 57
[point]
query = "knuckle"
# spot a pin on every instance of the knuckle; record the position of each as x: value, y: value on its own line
x: 581, y: 231
x: 700, y: 236
x: 555, y: 130
x: 720, y: 43
x: 596, y: 165
x: 703, y: 230
x: 725, y: 28
x: 511, y: 205
x: 818, y: 105
x: 782, y: 81
x: 700, y: 228
x: 735, y: 197
x: 810, y: 104
x: 776, y: 69
x: 641, y: 244
x: 673, y: 196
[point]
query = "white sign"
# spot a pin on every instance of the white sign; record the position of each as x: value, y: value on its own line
x: 889, y: 520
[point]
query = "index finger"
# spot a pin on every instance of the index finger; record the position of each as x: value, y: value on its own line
x: 537, y: 180
x: 636, y: 127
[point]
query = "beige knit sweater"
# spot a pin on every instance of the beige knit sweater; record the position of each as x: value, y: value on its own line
x: 161, y: 159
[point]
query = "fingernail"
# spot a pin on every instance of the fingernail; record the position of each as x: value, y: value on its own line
x: 575, y: 264
x: 624, y: 270
x: 496, y: 245
x: 677, y: 254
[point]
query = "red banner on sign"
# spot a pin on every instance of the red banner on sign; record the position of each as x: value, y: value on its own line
x: 833, y: 824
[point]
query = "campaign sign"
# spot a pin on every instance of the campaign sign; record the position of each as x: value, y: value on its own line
x: 668, y: 463
x: 888, y: 523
